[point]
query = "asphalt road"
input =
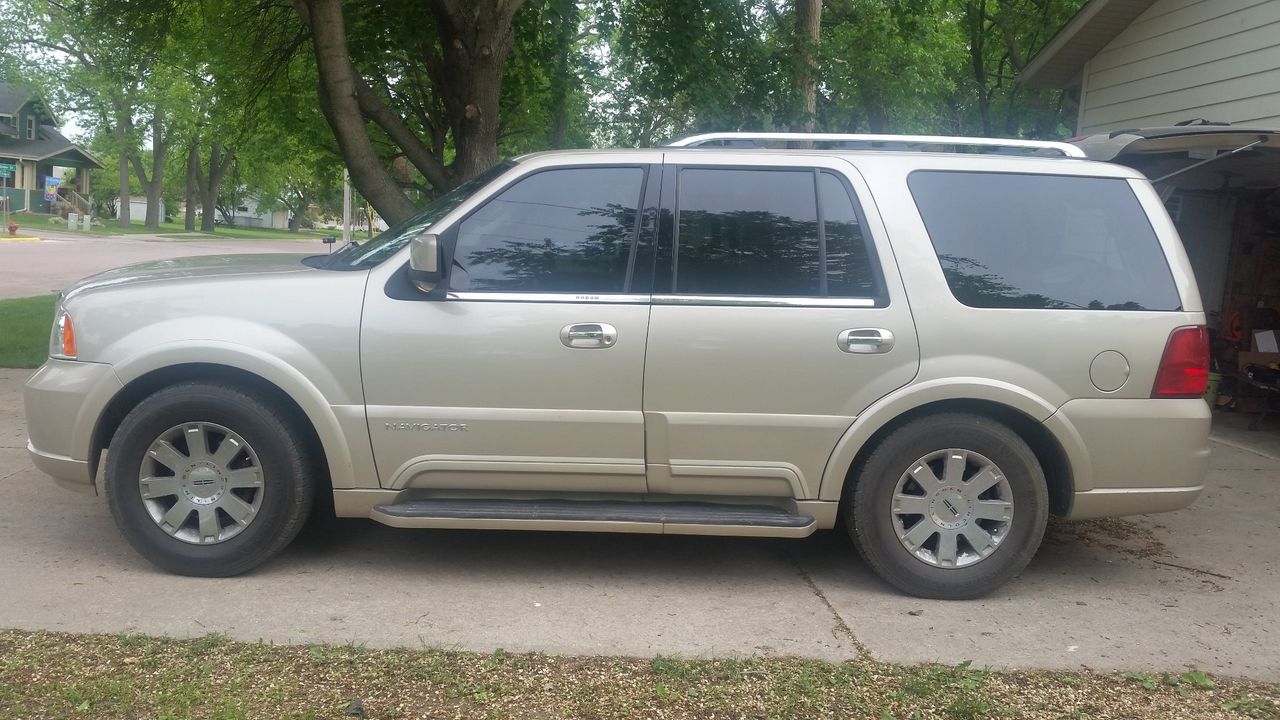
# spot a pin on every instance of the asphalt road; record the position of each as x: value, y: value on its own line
x: 48, y: 266
x: 1197, y: 588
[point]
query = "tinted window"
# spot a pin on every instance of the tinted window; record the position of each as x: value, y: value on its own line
x: 849, y: 269
x: 1043, y: 241
x: 567, y: 230
x: 756, y: 232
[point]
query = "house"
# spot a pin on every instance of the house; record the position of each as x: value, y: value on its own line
x: 31, y: 143
x: 251, y: 212
x: 138, y: 206
x: 1188, y: 92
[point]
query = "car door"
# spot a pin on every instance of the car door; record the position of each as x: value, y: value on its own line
x: 527, y: 375
x: 778, y: 316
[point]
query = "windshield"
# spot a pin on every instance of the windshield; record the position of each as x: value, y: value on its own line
x: 387, y: 243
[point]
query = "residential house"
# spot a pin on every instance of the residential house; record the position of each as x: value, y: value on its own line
x: 1157, y: 81
x: 29, y: 140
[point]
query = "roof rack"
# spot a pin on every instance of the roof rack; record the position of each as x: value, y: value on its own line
x: 876, y: 142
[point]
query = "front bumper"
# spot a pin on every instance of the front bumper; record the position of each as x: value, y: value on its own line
x: 64, y: 400
x: 1133, y: 457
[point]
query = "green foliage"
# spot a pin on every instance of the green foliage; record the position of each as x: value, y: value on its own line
x: 1146, y: 681
x: 606, y: 72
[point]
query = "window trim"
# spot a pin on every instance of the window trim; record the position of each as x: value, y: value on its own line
x: 31, y: 128
x: 669, y: 241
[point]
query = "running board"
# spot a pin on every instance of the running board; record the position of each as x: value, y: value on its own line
x: 671, y: 518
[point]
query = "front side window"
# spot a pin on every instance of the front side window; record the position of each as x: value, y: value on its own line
x: 1008, y: 240
x: 360, y: 256
x: 568, y: 230
x: 767, y: 232
x: 31, y: 128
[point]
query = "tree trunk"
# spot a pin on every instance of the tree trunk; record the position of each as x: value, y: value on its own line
x: 123, y: 121
x: 877, y: 115
x: 475, y: 39
x: 153, y: 186
x: 159, y: 149
x: 337, y: 93
x: 193, y: 189
x: 977, y: 11
x: 209, y: 188
x: 561, y: 79
x: 808, y: 33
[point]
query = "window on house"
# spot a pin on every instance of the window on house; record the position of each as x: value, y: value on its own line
x: 31, y: 128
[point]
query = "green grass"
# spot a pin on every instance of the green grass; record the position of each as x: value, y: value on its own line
x: 24, y: 331
x: 61, y: 675
x: 35, y: 222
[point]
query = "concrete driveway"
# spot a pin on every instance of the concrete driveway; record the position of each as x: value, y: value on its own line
x: 1196, y: 588
x: 48, y: 266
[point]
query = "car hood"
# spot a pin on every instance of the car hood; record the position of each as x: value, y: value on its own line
x: 190, y: 269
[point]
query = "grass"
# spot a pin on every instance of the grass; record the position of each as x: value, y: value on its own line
x: 24, y: 331
x: 125, y: 676
x: 35, y: 222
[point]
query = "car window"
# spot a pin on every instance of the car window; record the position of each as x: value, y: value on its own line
x: 358, y: 256
x: 563, y: 230
x: 1008, y: 240
x: 850, y: 272
x: 757, y: 232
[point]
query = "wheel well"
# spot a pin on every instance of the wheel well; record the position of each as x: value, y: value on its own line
x: 146, y: 385
x: 1053, y: 459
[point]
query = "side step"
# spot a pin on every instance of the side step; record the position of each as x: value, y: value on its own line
x: 673, y: 518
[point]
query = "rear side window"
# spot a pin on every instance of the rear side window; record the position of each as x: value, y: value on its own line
x: 770, y: 233
x: 565, y: 230
x: 1007, y: 240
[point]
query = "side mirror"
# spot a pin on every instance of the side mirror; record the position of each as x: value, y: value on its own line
x: 426, y: 262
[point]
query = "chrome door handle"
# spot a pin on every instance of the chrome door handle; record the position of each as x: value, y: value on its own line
x: 588, y: 335
x: 865, y: 341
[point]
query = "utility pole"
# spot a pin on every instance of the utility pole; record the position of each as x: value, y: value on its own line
x: 346, y: 207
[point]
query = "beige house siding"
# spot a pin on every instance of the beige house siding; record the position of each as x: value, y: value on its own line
x: 1183, y: 59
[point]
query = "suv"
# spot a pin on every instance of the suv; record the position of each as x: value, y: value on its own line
x: 934, y: 347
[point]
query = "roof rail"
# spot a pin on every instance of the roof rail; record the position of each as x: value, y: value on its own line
x: 878, y: 142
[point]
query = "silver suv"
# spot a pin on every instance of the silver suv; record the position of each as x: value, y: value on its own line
x: 934, y: 347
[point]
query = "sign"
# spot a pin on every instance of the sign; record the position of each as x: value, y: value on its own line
x: 7, y: 170
x: 51, y: 185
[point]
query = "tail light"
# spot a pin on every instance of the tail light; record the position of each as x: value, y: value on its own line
x: 1184, y: 367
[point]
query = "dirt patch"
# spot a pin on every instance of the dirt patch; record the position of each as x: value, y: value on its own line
x: 1114, y: 534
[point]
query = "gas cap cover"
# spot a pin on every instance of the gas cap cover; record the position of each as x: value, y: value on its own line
x: 1109, y: 371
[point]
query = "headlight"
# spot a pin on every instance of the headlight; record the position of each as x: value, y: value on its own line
x: 62, y: 340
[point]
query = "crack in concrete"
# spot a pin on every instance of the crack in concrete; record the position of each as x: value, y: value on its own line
x: 840, y: 624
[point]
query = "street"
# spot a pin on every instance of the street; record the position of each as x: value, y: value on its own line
x: 1196, y: 588
x: 59, y: 259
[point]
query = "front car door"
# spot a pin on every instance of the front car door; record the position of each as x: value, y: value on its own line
x: 528, y: 375
x: 778, y: 316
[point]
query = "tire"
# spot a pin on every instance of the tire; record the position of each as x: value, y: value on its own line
x: 228, y: 421
x: 886, y: 489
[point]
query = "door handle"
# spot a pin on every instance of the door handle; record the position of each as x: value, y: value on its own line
x: 865, y: 341
x: 581, y: 336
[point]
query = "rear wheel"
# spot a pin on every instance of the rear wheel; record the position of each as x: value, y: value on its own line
x: 208, y: 480
x: 949, y: 506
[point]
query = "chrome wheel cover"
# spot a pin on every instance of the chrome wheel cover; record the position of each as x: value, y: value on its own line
x: 201, y: 483
x: 952, y: 508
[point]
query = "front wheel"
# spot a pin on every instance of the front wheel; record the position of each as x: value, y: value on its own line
x: 208, y: 480
x: 950, y: 506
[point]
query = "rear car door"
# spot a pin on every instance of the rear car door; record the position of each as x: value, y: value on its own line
x: 528, y: 375
x: 778, y: 316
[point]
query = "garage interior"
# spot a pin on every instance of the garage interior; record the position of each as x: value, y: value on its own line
x: 1221, y: 186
